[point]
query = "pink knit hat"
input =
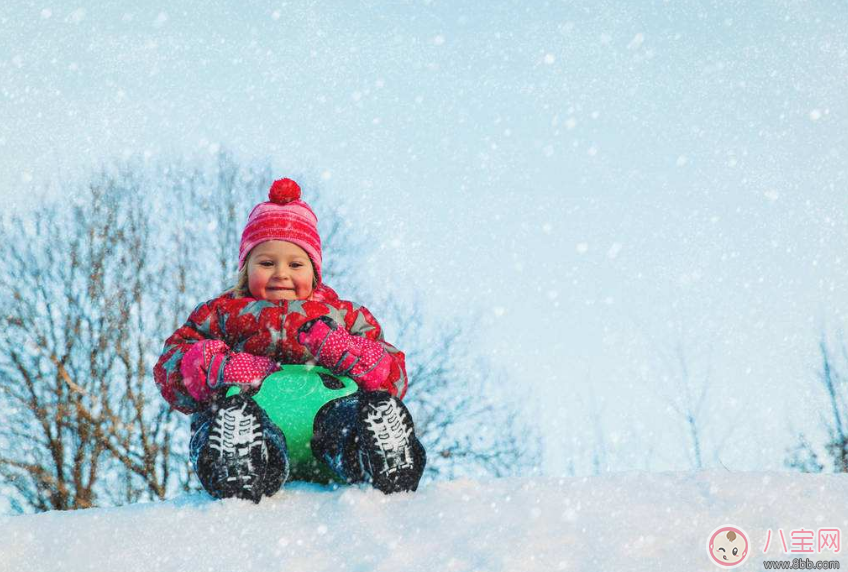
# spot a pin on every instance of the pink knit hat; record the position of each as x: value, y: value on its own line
x: 283, y: 217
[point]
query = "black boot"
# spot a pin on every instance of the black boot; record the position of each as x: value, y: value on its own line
x: 335, y: 438
x: 370, y: 437
x: 238, y: 452
x: 392, y: 456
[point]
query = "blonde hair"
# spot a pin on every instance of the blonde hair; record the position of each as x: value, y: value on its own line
x: 242, y: 286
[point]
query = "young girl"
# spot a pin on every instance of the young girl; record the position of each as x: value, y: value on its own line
x: 280, y: 312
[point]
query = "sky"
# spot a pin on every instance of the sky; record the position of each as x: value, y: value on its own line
x: 589, y: 186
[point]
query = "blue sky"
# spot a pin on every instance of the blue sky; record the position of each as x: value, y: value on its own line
x: 599, y: 181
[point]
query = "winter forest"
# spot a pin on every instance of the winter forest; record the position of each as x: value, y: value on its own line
x: 610, y: 237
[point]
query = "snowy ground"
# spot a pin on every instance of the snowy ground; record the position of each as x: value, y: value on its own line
x: 627, y: 521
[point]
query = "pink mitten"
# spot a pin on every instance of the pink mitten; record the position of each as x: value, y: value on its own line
x: 364, y: 360
x: 209, y: 365
x: 239, y: 368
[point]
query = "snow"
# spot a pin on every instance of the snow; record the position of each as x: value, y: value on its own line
x: 625, y: 521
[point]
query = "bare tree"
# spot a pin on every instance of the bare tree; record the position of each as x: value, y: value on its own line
x: 74, y: 353
x: 587, y: 444
x: 599, y: 451
x: 686, y: 382
x: 803, y: 456
x: 687, y: 401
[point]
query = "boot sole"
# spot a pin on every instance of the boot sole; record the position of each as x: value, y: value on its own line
x: 393, y: 455
x: 237, y: 450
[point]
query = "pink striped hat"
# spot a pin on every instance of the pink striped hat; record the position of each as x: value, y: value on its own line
x: 283, y: 217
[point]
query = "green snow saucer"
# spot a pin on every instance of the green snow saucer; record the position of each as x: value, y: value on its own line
x: 292, y: 397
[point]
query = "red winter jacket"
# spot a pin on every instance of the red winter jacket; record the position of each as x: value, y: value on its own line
x: 265, y: 328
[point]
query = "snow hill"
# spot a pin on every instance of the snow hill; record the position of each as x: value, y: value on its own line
x: 621, y: 522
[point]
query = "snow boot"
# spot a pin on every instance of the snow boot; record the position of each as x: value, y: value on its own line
x: 392, y: 456
x: 335, y: 438
x: 370, y: 437
x: 239, y: 452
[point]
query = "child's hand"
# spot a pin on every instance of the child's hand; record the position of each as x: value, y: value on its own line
x: 209, y: 365
x: 241, y: 369
x: 364, y: 360
x: 313, y: 333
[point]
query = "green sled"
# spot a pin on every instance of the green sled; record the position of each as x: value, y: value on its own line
x: 292, y: 398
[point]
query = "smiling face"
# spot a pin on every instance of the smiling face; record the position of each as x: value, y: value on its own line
x: 729, y: 547
x: 279, y: 270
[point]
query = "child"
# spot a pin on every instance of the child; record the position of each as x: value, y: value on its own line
x: 280, y: 312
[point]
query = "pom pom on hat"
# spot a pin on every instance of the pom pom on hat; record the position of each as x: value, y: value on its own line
x: 284, y: 191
